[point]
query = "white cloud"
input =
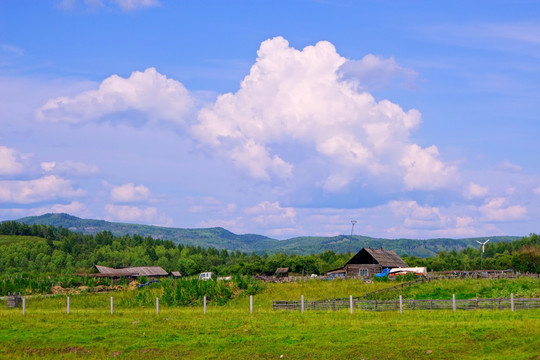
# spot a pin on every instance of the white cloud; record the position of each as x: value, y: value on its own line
x: 69, y: 168
x: 494, y: 210
x: 130, y: 193
x: 537, y: 191
x: 149, y: 92
x: 10, y: 50
x: 209, y: 204
x: 127, y: 5
x: 257, y: 161
x: 424, y: 170
x: 46, y: 188
x: 508, y: 166
x: 269, y: 213
x: 75, y: 208
x: 464, y: 221
x: 415, y: 211
x: 298, y: 99
x: 146, y: 215
x: 136, y: 4
x: 11, y: 161
x: 418, y: 216
x: 476, y: 191
x: 373, y: 72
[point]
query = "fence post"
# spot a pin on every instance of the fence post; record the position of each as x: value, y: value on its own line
x: 68, y: 304
x: 24, y: 306
x: 157, y: 305
x: 351, y: 303
x: 454, y: 302
x: 512, y: 302
x: 400, y: 304
x: 204, y: 304
x: 112, y: 305
x: 302, y: 304
x: 251, y: 304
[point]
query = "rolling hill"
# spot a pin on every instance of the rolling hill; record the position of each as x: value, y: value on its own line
x: 223, y: 239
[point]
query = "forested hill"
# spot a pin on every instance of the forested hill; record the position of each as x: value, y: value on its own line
x: 216, y: 237
x: 223, y: 239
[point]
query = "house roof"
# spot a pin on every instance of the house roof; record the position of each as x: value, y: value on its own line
x: 282, y: 270
x: 385, y: 258
x: 132, y: 271
x: 336, y: 271
x: 176, y: 273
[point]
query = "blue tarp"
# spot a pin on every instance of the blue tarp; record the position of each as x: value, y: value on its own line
x: 384, y: 273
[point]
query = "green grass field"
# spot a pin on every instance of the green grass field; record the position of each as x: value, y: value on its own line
x: 231, y: 332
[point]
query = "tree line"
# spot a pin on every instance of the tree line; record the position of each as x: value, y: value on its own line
x: 46, y: 249
x: 56, y: 250
x: 520, y: 255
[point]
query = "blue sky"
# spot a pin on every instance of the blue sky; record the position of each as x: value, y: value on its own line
x: 283, y: 118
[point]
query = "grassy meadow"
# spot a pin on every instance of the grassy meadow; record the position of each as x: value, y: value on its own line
x: 231, y: 332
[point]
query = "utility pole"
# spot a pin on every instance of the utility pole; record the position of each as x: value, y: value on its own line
x: 350, y: 239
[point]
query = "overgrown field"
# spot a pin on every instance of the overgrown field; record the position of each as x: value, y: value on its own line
x: 229, y: 331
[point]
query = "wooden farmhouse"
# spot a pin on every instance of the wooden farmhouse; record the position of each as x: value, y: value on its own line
x: 131, y: 272
x: 368, y: 262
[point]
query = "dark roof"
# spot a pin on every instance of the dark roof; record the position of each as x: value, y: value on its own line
x: 385, y: 258
x: 336, y: 271
x: 282, y: 270
x: 132, y: 271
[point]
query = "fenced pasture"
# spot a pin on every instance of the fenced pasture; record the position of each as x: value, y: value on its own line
x: 135, y: 330
x: 231, y: 332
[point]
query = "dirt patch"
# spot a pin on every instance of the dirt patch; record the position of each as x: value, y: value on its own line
x: 57, y: 289
x: 133, y: 285
x: 76, y: 350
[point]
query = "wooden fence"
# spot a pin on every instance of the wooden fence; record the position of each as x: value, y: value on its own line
x: 423, y: 304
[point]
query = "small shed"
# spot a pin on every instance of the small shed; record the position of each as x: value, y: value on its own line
x: 176, y: 274
x: 282, y: 272
x: 14, y: 300
x: 131, y: 272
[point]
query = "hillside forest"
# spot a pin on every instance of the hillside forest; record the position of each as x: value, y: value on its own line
x: 46, y: 249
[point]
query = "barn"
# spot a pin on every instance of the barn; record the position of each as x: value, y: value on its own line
x: 131, y: 272
x: 368, y: 262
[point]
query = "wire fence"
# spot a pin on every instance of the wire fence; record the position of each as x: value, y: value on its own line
x: 409, y: 304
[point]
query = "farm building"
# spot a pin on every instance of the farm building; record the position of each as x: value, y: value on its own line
x: 131, y: 272
x: 282, y: 272
x: 368, y: 262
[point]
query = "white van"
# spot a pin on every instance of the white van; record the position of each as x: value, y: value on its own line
x: 205, y: 276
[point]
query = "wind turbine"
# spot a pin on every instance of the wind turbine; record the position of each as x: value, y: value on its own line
x: 482, y: 253
x: 350, y: 239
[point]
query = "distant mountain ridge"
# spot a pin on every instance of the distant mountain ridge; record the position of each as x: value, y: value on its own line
x: 223, y: 239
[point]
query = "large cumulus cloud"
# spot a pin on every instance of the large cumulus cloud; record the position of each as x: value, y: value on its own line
x: 300, y: 97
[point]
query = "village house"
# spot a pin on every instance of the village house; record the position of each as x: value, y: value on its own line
x: 368, y: 262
